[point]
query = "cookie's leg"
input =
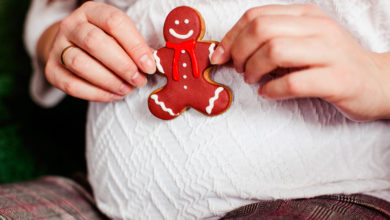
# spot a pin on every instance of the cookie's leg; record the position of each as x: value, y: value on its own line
x: 219, y: 102
x: 214, y: 102
x: 163, y: 106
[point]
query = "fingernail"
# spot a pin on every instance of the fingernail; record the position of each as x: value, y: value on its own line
x: 138, y: 79
x: 248, y: 80
x: 239, y: 69
x: 216, y: 58
x: 125, y: 89
x: 116, y: 97
x: 147, y: 64
x: 261, y: 92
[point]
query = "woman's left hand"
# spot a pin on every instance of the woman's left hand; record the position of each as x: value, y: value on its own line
x: 328, y: 62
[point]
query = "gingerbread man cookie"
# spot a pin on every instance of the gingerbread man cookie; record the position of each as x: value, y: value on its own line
x: 185, y: 62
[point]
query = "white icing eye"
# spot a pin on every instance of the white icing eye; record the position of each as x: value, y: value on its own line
x: 186, y: 21
x: 177, y: 22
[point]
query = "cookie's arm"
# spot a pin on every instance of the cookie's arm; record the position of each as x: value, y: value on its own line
x: 212, y: 49
x: 207, y: 47
x: 159, y: 65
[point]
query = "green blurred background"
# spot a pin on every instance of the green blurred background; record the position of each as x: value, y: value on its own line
x: 33, y: 141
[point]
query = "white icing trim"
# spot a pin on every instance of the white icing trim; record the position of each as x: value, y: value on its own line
x: 213, y: 99
x: 211, y: 50
x: 158, y: 64
x: 181, y: 36
x: 177, y: 22
x: 162, y: 105
x: 185, y: 87
x: 186, y: 21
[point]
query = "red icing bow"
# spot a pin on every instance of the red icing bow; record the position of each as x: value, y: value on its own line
x: 189, y: 46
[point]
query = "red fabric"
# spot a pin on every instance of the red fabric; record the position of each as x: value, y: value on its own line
x: 47, y: 198
x: 188, y: 46
x: 338, y: 207
x: 60, y: 198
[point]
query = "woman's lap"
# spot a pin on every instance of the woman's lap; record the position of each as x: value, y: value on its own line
x: 61, y: 198
x: 47, y: 198
x: 356, y: 206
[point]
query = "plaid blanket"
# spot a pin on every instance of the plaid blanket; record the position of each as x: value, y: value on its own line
x: 47, y: 198
x: 60, y: 198
x: 357, y: 206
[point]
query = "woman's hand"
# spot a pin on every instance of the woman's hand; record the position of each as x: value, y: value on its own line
x: 328, y: 63
x: 108, y: 56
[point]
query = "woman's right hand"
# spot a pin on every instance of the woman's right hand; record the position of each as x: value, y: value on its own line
x: 108, y: 56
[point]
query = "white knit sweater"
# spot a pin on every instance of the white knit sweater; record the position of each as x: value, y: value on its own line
x: 197, y: 167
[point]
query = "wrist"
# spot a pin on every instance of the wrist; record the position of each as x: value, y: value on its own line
x: 382, y: 62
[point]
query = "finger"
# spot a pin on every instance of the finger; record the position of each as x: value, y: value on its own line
x: 293, y: 10
x: 72, y: 85
x: 313, y: 82
x: 105, y: 49
x: 285, y: 52
x: 117, y: 24
x: 87, y: 68
x: 222, y: 52
x: 266, y: 28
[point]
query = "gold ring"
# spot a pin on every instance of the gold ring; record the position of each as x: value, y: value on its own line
x: 63, y: 53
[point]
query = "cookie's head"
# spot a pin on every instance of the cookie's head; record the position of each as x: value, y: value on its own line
x: 183, y: 24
